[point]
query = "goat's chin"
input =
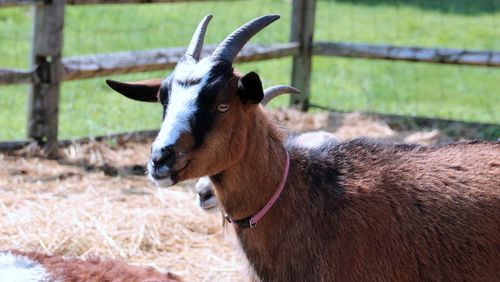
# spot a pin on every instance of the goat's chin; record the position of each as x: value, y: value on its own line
x: 209, y: 206
x: 162, y: 183
x: 212, y: 210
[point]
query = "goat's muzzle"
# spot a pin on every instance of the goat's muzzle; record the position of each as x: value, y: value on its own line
x: 206, y: 196
x: 164, y: 164
x: 208, y: 202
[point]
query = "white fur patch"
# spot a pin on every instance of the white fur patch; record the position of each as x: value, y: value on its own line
x: 182, y: 104
x: 314, y: 139
x: 192, y: 71
x: 14, y: 268
x: 162, y: 183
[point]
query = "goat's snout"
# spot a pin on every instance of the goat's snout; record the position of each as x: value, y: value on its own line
x: 161, y: 162
x: 162, y: 156
x: 206, y: 196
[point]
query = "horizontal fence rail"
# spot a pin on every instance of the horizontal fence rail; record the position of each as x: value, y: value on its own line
x: 14, y: 76
x: 420, y: 122
x: 160, y: 59
x: 81, y: 2
x: 79, y: 67
x: 136, y: 135
x: 88, y: 66
x: 414, y: 54
x: 7, y: 3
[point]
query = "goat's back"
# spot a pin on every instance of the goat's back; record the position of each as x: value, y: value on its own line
x: 402, y: 212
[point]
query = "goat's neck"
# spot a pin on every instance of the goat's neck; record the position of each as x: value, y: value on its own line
x: 244, y: 188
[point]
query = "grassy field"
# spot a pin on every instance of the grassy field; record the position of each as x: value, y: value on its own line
x: 89, y: 108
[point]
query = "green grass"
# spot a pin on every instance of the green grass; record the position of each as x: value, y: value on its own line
x: 89, y: 108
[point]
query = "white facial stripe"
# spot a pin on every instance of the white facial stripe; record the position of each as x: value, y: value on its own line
x: 192, y: 71
x: 19, y: 268
x: 181, y: 106
x: 182, y: 101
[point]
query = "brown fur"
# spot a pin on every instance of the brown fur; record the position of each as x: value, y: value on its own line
x: 95, y: 269
x: 354, y: 210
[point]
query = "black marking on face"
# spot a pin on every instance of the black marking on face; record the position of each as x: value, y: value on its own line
x: 204, y: 117
x: 163, y: 95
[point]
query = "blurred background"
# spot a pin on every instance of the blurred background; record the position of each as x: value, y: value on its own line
x: 88, y: 107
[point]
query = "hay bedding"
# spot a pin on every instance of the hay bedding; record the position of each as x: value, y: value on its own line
x: 62, y: 207
x: 96, y: 200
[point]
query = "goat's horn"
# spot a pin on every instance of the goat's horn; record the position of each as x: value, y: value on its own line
x: 194, y: 49
x: 277, y: 90
x: 233, y: 44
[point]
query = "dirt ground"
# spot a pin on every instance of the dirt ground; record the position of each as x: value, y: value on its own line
x: 96, y: 199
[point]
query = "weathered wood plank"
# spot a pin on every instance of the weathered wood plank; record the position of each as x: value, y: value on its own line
x: 43, y: 102
x: 83, y: 2
x: 14, y: 76
x: 139, y: 61
x: 7, y: 3
x: 410, y: 121
x: 414, y: 54
x: 79, y: 67
x: 257, y: 52
x: 302, y: 31
x: 10, y: 3
x: 159, y: 59
x: 125, y: 136
x: 13, y: 145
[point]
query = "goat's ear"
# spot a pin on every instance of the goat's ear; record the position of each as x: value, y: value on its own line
x: 144, y: 91
x: 250, y: 88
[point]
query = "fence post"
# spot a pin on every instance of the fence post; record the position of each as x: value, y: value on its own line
x: 43, y: 101
x: 302, y: 31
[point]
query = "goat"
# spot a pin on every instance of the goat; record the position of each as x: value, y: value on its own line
x: 205, y: 194
x: 354, y: 210
x: 20, y: 266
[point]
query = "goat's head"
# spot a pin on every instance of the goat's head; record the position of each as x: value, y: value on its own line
x: 206, y: 108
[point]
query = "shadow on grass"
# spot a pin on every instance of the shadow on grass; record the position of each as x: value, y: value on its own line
x: 464, y: 7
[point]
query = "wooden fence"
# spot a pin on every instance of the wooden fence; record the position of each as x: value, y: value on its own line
x: 48, y: 67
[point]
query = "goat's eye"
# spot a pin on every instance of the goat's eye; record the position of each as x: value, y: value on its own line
x: 223, y: 108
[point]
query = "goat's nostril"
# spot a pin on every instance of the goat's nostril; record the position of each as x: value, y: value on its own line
x: 162, y: 156
x: 206, y: 197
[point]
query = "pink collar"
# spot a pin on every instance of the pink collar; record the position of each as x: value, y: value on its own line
x: 251, y: 221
